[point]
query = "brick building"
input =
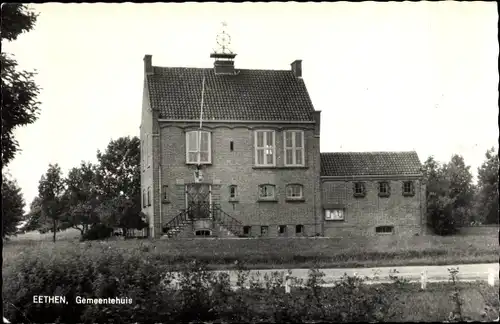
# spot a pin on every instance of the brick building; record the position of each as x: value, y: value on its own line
x: 254, y: 168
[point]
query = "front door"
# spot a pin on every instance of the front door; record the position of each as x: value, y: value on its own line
x: 198, y: 200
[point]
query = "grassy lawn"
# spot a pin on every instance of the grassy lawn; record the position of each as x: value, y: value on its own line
x: 281, y: 252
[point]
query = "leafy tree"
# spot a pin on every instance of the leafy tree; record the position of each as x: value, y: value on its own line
x: 118, y: 182
x: 53, y: 202
x: 34, y: 217
x: 123, y: 213
x: 487, y: 193
x: 12, y: 205
x: 461, y: 189
x: 82, y: 197
x: 19, y: 90
x: 118, y: 171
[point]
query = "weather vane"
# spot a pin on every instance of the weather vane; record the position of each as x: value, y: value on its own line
x: 224, y: 40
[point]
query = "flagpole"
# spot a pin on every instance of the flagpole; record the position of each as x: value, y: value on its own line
x: 201, y: 119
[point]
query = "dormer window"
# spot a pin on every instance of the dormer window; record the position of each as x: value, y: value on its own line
x: 198, y: 147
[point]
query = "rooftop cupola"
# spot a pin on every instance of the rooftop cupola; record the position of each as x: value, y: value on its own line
x: 224, y: 57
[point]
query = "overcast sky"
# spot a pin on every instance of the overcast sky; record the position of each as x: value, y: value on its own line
x: 387, y: 76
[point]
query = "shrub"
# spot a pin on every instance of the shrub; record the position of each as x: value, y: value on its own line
x: 97, y: 232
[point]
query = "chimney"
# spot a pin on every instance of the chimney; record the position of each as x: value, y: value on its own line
x: 148, y: 64
x: 297, y: 68
x: 224, y: 63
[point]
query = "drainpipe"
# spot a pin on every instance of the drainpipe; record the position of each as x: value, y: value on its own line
x: 159, y: 183
x: 161, y: 196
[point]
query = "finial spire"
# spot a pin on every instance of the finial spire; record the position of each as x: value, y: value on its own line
x: 223, y: 40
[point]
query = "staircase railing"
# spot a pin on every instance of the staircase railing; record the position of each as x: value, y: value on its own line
x: 226, y: 220
x: 177, y: 221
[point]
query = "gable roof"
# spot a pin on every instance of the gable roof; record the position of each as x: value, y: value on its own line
x: 370, y: 163
x: 257, y: 95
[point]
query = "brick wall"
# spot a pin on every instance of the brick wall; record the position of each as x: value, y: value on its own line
x: 363, y: 215
x: 237, y: 168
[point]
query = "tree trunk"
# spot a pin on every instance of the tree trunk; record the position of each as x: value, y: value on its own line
x: 54, y: 228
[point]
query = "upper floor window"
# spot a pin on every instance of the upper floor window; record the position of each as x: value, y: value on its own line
x: 294, y: 148
x: 408, y: 189
x: 265, y: 148
x: 267, y: 192
x: 359, y: 189
x: 198, y: 147
x: 384, y: 189
x: 294, y: 191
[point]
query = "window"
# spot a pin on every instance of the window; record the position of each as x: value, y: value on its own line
x: 165, y: 193
x: 334, y: 214
x: 384, y: 189
x: 359, y: 189
x: 202, y: 233
x: 294, y: 191
x: 195, y: 153
x: 149, y: 196
x: 231, y: 146
x: 264, y: 230
x: 294, y: 148
x: 267, y: 192
x: 282, y: 229
x: 299, y: 229
x: 232, y: 192
x: 247, y: 230
x: 143, y: 197
x: 265, y: 148
x: 408, y: 189
x: 384, y: 229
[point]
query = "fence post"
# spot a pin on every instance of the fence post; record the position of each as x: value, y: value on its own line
x: 491, y: 277
x: 423, y: 280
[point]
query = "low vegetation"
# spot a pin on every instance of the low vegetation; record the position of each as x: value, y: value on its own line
x: 200, y: 295
x: 282, y: 252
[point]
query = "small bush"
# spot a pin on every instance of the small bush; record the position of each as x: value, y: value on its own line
x: 97, y: 232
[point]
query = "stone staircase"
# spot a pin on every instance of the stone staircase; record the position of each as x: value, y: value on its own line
x: 227, y: 225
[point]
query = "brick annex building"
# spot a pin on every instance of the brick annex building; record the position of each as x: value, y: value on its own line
x: 254, y: 168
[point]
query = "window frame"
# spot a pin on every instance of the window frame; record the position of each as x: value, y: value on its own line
x: 144, y: 204
x: 249, y: 228
x: 164, y: 193
x: 262, y: 227
x: 411, y: 192
x: 235, y: 187
x: 264, y: 148
x: 301, y: 232
x: 388, y: 188
x: 288, y: 197
x: 363, y: 189
x: 198, y: 139
x: 385, y: 227
x: 266, y: 198
x: 293, y: 148
x: 284, y: 228
x: 331, y: 211
x: 149, y: 196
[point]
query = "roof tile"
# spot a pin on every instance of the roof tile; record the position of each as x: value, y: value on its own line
x: 260, y: 95
x: 370, y: 163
